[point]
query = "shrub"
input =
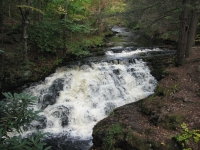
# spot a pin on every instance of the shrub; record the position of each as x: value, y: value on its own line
x: 15, y: 114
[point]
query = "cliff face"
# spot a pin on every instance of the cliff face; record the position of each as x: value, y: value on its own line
x: 152, y: 122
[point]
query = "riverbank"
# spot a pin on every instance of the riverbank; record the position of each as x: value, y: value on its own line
x: 16, y: 75
x: 152, y: 122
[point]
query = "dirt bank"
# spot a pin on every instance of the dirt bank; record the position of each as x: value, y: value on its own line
x: 151, y: 123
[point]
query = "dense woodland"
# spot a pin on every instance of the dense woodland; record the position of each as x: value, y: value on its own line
x: 38, y: 35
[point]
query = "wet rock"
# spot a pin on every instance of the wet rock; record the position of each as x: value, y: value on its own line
x: 110, y: 44
x: 115, y: 62
x: 128, y: 129
x: 76, y: 67
x: 42, y: 123
x: 117, y: 49
x: 84, y: 67
x: 158, y: 64
x: 116, y: 71
x: 48, y: 99
x: 53, y: 93
x: 57, y: 86
x: 64, y: 143
x: 62, y: 112
x: 109, y: 108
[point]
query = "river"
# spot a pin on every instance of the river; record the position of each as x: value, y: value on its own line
x: 77, y: 96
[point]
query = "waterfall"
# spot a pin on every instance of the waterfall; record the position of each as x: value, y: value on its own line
x: 74, y: 99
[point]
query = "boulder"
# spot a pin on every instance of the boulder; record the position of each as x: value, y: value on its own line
x: 53, y: 93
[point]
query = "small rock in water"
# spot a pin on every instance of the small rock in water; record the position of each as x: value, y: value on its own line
x: 84, y: 67
x: 61, y: 112
x: 48, y: 99
x: 116, y: 71
x: 76, y: 67
x: 115, y: 62
x: 42, y: 123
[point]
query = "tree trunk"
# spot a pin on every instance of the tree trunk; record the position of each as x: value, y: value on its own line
x: 65, y: 28
x: 1, y: 29
x: 39, y: 14
x: 99, y: 17
x: 1, y: 14
x: 192, y: 32
x: 183, y: 33
x: 9, y: 13
x: 25, y: 22
x: 2, y: 66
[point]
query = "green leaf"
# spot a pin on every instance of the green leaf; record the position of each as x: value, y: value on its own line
x: 196, y: 139
x: 8, y: 95
x: 47, y: 148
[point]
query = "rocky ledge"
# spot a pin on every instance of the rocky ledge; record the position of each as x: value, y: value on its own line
x: 151, y: 123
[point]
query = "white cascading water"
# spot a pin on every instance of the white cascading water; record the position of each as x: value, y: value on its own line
x: 85, y: 95
x: 130, y: 54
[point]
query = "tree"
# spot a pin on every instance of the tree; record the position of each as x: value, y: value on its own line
x: 154, y: 17
x: 160, y: 19
x: 192, y: 28
x: 189, y: 20
x: 183, y: 33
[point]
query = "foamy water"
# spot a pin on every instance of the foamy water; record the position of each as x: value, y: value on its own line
x: 88, y: 94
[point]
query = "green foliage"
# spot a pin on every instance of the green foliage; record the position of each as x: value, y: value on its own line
x: 15, y: 113
x: 157, y: 19
x: 79, y: 46
x: 78, y: 49
x: 136, y: 27
x: 19, y: 143
x: 115, y: 131
x: 167, y: 91
x: 47, y: 36
x: 186, y: 135
x: 172, y: 121
x: 58, y: 61
x: 118, y: 134
x: 77, y: 10
x: 77, y: 27
x: 97, y: 40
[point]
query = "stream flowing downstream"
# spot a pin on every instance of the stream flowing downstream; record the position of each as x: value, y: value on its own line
x: 76, y: 97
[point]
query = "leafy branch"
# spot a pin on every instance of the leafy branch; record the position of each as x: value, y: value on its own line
x: 30, y: 7
x: 185, y: 136
x: 15, y: 113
